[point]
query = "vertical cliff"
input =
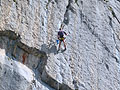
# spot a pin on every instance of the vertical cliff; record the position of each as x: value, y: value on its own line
x: 28, y: 50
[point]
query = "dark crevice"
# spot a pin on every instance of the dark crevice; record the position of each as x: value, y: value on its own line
x: 76, y: 1
x: 115, y: 47
x: 81, y: 2
x: 14, y: 0
x: 10, y: 34
x: 110, y: 23
x: 118, y: 0
x: 16, y: 37
x: 81, y: 15
x: 56, y: 1
x: 53, y: 83
x: 113, y: 13
x: 116, y: 59
x: 0, y: 67
x: 66, y: 15
x: 31, y: 50
x: 48, y: 4
x: 107, y: 66
x: 0, y: 2
x: 28, y: 1
x: 106, y: 1
x: 81, y: 12
x: 75, y: 83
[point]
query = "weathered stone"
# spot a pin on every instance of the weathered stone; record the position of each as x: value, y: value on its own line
x: 18, y: 77
x: 28, y: 33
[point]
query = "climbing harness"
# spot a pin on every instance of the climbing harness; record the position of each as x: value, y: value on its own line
x: 61, y: 39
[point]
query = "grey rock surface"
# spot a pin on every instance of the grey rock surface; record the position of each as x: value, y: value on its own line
x: 28, y: 34
x: 16, y: 76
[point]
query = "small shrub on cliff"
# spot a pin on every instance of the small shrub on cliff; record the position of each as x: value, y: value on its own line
x: 14, y: 0
x: 76, y: 1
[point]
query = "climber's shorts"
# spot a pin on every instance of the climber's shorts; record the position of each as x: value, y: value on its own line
x: 61, y: 39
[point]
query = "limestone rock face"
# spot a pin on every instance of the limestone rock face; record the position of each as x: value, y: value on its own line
x: 28, y: 49
x: 16, y: 76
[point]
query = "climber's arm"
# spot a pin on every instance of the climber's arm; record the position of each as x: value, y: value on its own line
x: 65, y: 33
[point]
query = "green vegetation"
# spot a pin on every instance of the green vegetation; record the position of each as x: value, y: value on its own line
x: 76, y: 89
x: 106, y: 0
x: 48, y: 4
x: 113, y: 13
x: 110, y: 8
x: 14, y: 0
x: 76, y: 1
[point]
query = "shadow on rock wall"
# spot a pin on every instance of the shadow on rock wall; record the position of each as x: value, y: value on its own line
x: 34, y: 58
x: 49, y: 48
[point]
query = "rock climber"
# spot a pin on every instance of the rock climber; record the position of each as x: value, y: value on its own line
x: 61, y: 38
